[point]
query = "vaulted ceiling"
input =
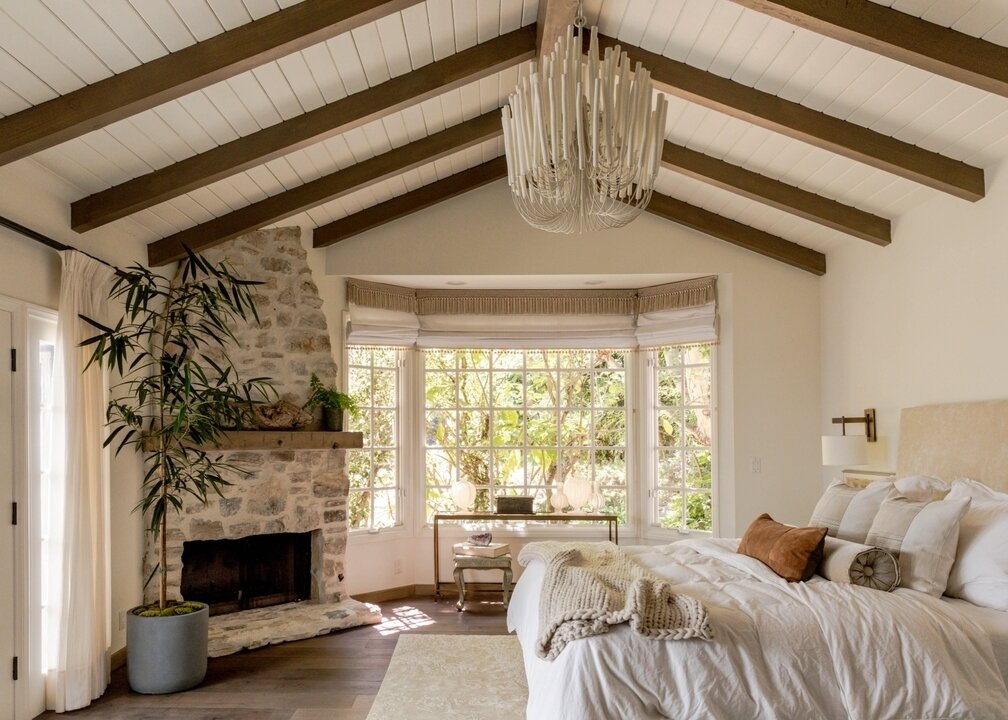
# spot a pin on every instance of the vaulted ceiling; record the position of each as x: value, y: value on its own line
x: 794, y: 125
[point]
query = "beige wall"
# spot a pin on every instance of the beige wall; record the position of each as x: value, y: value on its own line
x: 922, y: 321
x: 769, y: 369
x: 30, y: 272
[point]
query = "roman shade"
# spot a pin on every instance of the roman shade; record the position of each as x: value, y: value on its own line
x: 672, y: 314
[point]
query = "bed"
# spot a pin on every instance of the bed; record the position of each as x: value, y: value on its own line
x: 802, y: 650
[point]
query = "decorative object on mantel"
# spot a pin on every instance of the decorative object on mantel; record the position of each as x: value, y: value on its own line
x: 582, y: 140
x: 163, y: 340
x: 463, y: 494
x: 280, y: 415
x: 597, y: 500
x: 482, y: 539
x: 333, y: 403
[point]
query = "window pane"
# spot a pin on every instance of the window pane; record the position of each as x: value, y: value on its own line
x: 359, y: 510
x: 508, y: 389
x: 383, y: 428
x: 522, y: 421
x: 359, y: 469
x: 384, y: 384
x: 684, y: 420
x: 385, y: 508
x: 385, y: 468
x: 386, y: 357
x: 508, y: 428
x: 670, y: 508
x: 699, y: 513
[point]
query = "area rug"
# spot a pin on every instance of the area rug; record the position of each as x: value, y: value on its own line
x: 453, y: 677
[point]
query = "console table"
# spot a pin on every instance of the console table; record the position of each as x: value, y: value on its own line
x: 611, y: 520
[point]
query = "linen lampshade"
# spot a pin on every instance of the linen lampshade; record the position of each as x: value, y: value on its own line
x: 844, y: 450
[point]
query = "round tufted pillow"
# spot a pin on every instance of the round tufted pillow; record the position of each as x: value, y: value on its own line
x: 875, y: 568
x: 849, y: 562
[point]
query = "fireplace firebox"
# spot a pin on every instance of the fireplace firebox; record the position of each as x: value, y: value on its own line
x: 250, y: 572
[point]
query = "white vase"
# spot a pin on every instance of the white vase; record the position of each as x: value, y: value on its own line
x: 578, y: 491
x: 597, y: 501
x: 463, y: 494
x: 558, y: 500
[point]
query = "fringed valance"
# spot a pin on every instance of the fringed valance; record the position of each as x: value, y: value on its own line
x: 671, y: 314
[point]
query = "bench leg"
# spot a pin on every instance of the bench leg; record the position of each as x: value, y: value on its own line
x: 460, y: 582
x: 507, y: 586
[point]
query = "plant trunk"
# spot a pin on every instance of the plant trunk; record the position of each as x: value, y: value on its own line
x: 163, y: 574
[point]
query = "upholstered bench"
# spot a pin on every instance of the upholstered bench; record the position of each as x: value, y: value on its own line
x: 468, y: 562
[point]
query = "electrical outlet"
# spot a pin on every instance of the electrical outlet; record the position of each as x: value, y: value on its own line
x: 122, y: 619
x: 757, y: 465
x: 397, y: 567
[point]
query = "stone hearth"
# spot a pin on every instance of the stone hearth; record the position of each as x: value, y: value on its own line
x: 283, y: 491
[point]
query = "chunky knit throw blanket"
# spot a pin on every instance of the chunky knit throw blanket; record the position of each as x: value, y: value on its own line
x: 590, y: 586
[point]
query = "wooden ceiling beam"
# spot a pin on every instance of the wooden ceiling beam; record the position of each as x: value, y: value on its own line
x: 663, y: 206
x: 411, y: 202
x: 802, y: 123
x: 551, y: 22
x: 326, y: 188
x: 452, y: 72
x: 184, y: 71
x: 899, y: 36
x: 775, y: 193
x: 744, y: 236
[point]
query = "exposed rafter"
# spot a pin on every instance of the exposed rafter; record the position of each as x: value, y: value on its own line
x: 551, y: 21
x: 899, y: 36
x: 264, y: 145
x: 777, y: 194
x: 326, y: 188
x: 172, y: 76
x: 816, y: 128
x: 666, y: 207
x: 411, y: 202
x: 736, y: 233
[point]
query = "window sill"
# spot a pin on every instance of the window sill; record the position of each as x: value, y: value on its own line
x: 667, y: 535
x: 367, y: 537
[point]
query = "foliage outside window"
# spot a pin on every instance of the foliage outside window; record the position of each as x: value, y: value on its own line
x: 374, y: 376
x: 520, y: 422
x: 682, y: 448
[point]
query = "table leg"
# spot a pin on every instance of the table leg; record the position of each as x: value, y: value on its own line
x: 437, y: 565
x: 616, y: 530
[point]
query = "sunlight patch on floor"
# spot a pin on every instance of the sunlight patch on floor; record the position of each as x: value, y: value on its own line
x: 403, y: 618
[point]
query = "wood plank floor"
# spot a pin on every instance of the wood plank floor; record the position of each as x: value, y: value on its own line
x: 334, y: 677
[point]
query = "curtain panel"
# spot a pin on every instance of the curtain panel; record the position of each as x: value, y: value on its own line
x: 78, y: 606
x: 676, y: 313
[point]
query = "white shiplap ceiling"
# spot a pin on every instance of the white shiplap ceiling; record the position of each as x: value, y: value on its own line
x: 51, y: 47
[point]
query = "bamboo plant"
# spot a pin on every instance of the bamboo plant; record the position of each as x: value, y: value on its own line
x: 172, y: 396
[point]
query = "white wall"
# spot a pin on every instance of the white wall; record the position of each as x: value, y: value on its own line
x: 770, y: 328
x: 923, y: 320
x: 30, y: 272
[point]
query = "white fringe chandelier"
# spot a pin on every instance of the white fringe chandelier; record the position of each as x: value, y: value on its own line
x: 582, y: 140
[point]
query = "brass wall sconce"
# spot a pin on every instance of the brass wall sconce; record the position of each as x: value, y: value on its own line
x: 868, y: 419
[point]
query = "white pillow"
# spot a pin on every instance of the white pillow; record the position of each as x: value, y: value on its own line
x: 922, y: 487
x: 980, y: 572
x: 923, y: 535
x: 847, y: 512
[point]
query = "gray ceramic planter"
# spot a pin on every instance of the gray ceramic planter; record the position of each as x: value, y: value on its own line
x: 166, y: 654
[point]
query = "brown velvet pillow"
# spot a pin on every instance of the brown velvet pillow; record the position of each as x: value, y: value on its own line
x: 793, y: 553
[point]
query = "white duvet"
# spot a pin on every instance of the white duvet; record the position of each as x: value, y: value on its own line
x: 780, y: 651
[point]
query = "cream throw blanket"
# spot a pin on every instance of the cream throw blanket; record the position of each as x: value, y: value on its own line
x: 589, y: 586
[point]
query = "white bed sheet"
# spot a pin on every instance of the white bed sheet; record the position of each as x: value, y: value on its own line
x: 994, y: 623
x: 781, y: 651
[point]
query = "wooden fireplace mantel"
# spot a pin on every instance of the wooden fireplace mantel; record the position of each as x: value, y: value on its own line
x: 287, y: 440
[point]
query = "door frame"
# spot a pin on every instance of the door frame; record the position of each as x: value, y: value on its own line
x: 29, y: 690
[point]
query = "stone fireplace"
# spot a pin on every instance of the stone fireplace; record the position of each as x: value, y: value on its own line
x: 286, y: 491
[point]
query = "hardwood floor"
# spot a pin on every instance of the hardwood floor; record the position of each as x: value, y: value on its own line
x: 334, y: 677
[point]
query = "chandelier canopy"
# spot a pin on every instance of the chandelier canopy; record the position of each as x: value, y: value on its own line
x: 583, y: 138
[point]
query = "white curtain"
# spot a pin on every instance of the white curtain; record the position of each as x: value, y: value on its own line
x: 77, y: 588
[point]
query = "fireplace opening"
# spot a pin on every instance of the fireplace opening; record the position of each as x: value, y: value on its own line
x: 251, y: 572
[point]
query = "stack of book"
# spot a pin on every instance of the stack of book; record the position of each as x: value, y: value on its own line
x: 489, y: 551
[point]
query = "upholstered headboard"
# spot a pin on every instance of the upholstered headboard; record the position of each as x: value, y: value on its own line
x: 956, y: 440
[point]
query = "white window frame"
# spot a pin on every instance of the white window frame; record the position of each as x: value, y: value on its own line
x: 650, y: 530
x: 402, y: 452
x: 529, y: 529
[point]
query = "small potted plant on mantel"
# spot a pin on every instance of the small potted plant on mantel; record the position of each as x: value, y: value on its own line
x: 173, y: 400
x: 333, y: 403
